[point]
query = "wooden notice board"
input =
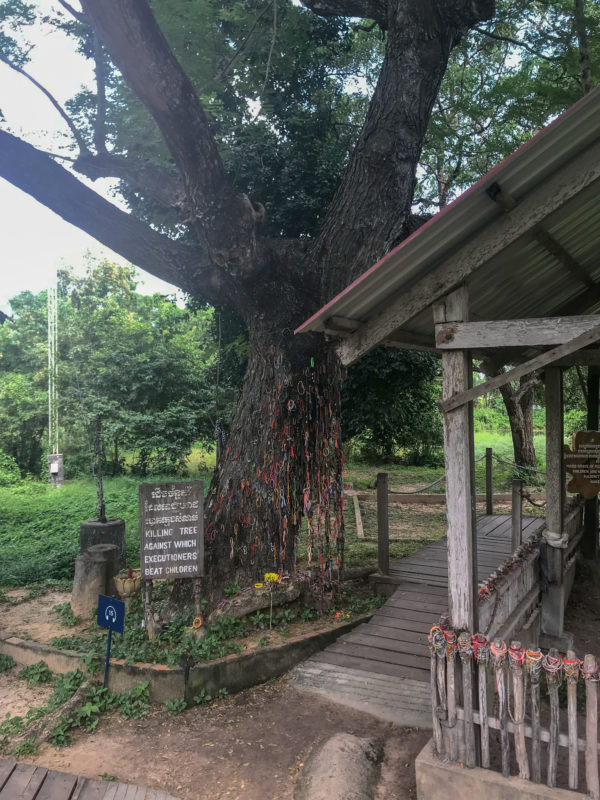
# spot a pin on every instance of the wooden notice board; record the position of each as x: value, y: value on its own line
x: 583, y: 462
x: 171, y: 530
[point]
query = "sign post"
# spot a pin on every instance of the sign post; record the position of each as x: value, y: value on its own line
x: 171, y: 535
x: 111, y: 615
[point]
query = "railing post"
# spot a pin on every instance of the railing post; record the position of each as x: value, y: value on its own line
x: 489, y: 487
x: 517, y: 513
x: 383, y: 527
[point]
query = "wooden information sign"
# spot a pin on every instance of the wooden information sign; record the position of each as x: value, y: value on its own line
x: 171, y: 530
x: 583, y: 462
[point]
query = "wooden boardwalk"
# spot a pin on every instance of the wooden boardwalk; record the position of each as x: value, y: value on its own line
x: 383, y: 665
x: 30, y: 782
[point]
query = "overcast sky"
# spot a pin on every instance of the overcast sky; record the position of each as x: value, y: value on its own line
x: 33, y: 240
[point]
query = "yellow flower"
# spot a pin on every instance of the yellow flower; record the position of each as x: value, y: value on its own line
x: 258, y: 585
x: 198, y: 621
x: 271, y: 577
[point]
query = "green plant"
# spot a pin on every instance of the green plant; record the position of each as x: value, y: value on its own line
x: 260, y: 620
x: 134, y: 703
x: 202, y: 698
x: 87, y: 716
x: 11, y: 725
x: 61, y: 735
x: 65, y: 686
x: 232, y: 588
x: 263, y: 641
x: 175, y: 706
x: 9, y: 470
x: 65, y: 612
x: 36, y: 673
x: 222, y: 694
x: 6, y: 662
x: 308, y: 613
x: 109, y: 778
x: 283, y: 618
x: 25, y: 748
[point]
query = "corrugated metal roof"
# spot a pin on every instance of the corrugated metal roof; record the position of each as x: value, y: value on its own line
x: 524, y: 279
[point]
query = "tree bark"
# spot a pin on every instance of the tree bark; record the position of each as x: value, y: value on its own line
x: 519, y: 407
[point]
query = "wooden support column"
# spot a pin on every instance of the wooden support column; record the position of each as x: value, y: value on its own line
x: 457, y: 375
x: 590, y: 537
x: 552, y: 557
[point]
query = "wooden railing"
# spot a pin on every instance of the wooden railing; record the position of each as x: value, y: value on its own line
x: 515, y: 677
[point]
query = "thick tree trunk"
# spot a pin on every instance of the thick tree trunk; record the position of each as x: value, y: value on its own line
x: 281, y: 471
x: 519, y: 407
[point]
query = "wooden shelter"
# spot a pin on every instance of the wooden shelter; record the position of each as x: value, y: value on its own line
x: 509, y: 271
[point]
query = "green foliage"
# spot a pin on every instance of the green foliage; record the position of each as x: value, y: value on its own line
x: 65, y: 612
x: 6, y: 662
x: 202, y: 697
x: 176, y: 706
x: 11, y: 725
x: 135, y: 703
x: 389, y: 400
x: 282, y: 619
x: 61, y: 735
x: 141, y: 365
x: 36, y: 673
x: 222, y: 694
x: 259, y: 620
x: 232, y: 588
x: 308, y: 613
x: 25, y: 748
x: 9, y: 470
x: 65, y: 685
x: 575, y: 420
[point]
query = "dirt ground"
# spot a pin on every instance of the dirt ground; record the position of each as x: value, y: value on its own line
x: 248, y: 747
x: 251, y: 746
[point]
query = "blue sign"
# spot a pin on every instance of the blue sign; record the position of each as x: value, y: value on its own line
x: 111, y: 613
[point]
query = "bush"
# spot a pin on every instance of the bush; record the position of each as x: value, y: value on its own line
x: 9, y: 471
x: 575, y: 420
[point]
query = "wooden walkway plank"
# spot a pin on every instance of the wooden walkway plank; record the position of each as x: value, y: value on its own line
x: 57, y: 786
x: 378, y: 667
x: 6, y: 770
x: 23, y: 783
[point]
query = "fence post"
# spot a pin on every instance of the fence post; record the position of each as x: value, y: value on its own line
x: 383, y: 527
x: 489, y: 487
x: 517, y: 513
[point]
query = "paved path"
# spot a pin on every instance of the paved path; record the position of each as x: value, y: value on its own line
x: 383, y: 666
x: 30, y: 782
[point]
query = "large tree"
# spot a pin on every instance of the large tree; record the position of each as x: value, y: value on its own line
x: 283, y: 457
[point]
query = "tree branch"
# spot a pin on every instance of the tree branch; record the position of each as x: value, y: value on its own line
x: 367, y: 9
x: 138, y: 47
x: 509, y: 39
x: 151, y: 181
x: 100, y: 71
x: 70, y: 124
x: 77, y: 14
x: 53, y: 186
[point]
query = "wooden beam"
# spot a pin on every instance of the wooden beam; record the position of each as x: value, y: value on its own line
x: 552, y: 557
x: 340, y: 326
x: 563, y: 256
x: 457, y: 375
x: 564, y: 184
x: 581, y: 302
x: 460, y: 398
x: 535, y: 332
x: 407, y: 340
x: 582, y: 358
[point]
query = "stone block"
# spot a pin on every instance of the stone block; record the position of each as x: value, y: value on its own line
x: 110, y: 532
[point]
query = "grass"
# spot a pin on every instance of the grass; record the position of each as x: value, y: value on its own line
x: 39, y: 525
